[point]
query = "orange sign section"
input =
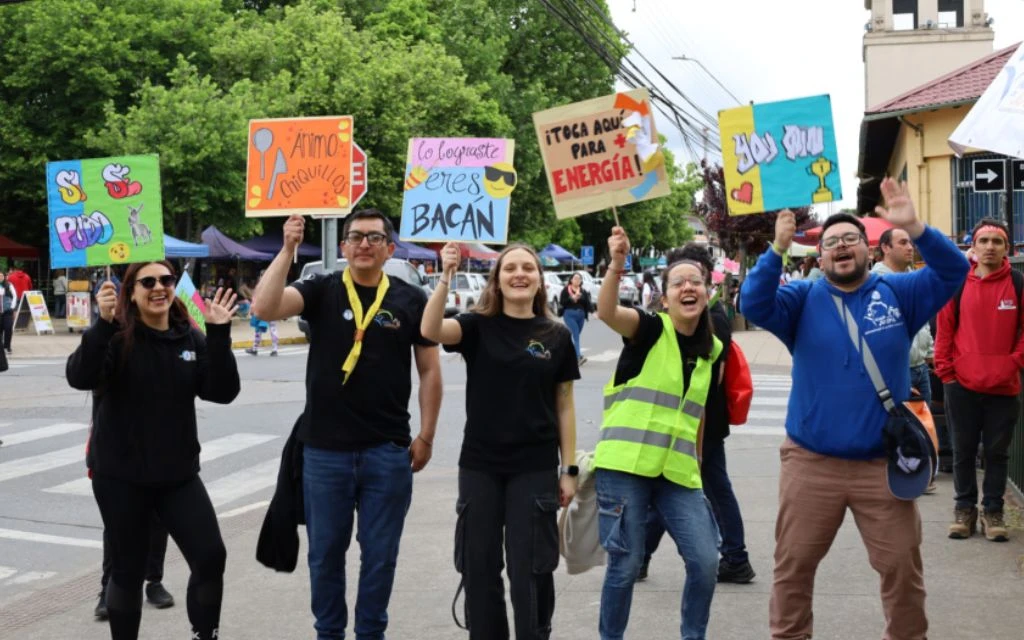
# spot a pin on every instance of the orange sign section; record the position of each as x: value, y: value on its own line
x: 299, y: 165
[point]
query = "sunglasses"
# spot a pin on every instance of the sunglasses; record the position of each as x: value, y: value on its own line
x: 493, y: 174
x: 150, y: 281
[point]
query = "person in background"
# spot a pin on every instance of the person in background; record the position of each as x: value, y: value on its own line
x: 259, y: 328
x: 60, y: 293
x: 650, y: 296
x: 8, y: 305
x: 20, y: 281
x: 520, y: 422
x: 575, y: 304
x: 810, y: 270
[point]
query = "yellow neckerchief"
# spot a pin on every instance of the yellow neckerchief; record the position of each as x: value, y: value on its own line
x: 362, y: 321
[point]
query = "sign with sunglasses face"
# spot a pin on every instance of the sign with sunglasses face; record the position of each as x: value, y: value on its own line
x: 458, y: 189
x: 601, y: 153
x: 779, y: 154
x: 304, y: 166
x: 104, y: 211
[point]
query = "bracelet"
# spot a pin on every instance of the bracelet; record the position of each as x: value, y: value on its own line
x: 442, y: 281
x: 422, y: 439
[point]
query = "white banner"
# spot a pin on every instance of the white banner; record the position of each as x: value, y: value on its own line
x: 996, y: 122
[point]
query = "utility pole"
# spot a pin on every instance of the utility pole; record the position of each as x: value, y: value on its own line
x: 329, y: 243
x: 717, y: 81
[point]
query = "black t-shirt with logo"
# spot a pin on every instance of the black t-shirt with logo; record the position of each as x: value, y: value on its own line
x: 513, y: 368
x: 634, y: 353
x: 373, y: 407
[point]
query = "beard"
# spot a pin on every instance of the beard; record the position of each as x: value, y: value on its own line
x: 860, y: 269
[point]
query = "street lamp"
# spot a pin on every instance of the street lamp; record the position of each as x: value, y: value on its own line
x: 686, y: 58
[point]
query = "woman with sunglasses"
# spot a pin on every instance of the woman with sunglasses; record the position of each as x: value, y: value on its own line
x: 145, y: 365
x: 520, y: 420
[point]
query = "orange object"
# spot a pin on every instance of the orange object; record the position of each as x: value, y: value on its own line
x: 299, y: 165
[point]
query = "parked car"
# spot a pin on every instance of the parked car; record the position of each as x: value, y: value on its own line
x: 467, y: 288
x: 394, y: 267
x: 589, y: 283
x: 629, y: 291
x: 451, y: 307
x: 554, y: 287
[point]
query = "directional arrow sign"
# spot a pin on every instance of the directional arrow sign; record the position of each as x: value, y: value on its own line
x: 989, y: 175
x: 1018, y: 175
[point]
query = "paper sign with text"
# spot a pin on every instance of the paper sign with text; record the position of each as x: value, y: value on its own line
x: 779, y: 154
x: 458, y: 189
x: 104, y: 211
x: 601, y: 153
x: 299, y: 165
x: 996, y: 121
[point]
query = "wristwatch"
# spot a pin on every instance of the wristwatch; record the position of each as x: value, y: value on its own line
x: 572, y: 471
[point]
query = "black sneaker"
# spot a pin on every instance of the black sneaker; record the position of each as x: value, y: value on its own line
x: 101, y: 607
x: 640, y: 577
x: 157, y: 596
x: 735, y: 573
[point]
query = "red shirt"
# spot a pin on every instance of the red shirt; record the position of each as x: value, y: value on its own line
x: 20, y: 281
x: 985, y: 353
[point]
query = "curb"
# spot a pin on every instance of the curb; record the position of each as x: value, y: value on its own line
x: 247, y: 344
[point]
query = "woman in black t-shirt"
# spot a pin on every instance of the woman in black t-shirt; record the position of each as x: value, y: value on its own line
x: 520, y: 419
x: 575, y: 303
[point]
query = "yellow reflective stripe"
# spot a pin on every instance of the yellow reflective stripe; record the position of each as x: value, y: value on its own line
x: 643, y: 394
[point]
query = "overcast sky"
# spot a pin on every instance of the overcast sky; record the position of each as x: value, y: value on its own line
x: 772, y: 50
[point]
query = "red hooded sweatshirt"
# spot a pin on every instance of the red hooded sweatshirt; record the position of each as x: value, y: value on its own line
x: 985, y: 353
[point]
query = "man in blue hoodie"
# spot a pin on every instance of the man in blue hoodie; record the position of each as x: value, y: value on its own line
x: 834, y: 455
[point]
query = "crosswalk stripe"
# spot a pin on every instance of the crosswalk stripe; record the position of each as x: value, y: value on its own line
x: 21, y: 437
x: 769, y: 402
x: 43, y: 462
x: 759, y: 431
x: 7, y: 572
x: 211, y: 450
x: 30, y: 576
x: 11, y: 534
x: 756, y: 414
x: 241, y: 483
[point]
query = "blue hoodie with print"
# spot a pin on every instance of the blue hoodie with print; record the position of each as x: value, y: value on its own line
x: 833, y: 408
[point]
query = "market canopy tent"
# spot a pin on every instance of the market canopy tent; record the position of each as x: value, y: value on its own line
x: 272, y: 241
x: 11, y: 249
x: 874, y: 227
x: 222, y: 246
x: 471, y: 251
x: 557, y: 253
x: 174, y: 248
x: 410, y: 251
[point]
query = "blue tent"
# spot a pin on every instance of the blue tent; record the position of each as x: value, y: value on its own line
x: 272, y: 242
x: 409, y: 251
x: 174, y: 248
x: 222, y: 246
x: 556, y: 252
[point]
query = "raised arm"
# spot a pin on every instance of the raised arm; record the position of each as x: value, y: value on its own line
x: 623, y: 320
x: 762, y: 300
x: 86, y: 366
x: 272, y: 300
x: 219, y: 381
x: 434, y: 326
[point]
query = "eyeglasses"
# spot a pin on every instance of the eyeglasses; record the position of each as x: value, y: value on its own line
x: 493, y: 174
x: 150, y: 281
x: 694, y: 282
x: 355, y: 238
x: 849, y: 239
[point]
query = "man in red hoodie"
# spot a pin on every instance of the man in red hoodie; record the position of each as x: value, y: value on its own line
x: 979, y: 354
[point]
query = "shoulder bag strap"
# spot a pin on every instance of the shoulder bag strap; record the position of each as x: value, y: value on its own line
x: 869, y: 359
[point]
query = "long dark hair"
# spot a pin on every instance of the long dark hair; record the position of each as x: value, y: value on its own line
x: 704, y: 335
x: 491, y: 301
x: 128, y: 313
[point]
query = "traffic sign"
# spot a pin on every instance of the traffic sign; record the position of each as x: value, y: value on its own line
x: 989, y: 175
x: 629, y: 262
x: 587, y: 254
x: 1017, y: 174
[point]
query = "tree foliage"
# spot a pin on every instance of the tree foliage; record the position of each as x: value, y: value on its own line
x: 181, y: 78
x: 750, y: 233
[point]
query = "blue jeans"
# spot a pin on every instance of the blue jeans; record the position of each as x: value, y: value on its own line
x: 623, y: 500
x: 718, y: 489
x: 376, y: 482
x: 574, y: 319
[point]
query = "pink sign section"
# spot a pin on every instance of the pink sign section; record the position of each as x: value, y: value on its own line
x: 457, y: 152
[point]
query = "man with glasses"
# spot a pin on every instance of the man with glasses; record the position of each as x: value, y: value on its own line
x: 833, y: 458
x: 358, y: 451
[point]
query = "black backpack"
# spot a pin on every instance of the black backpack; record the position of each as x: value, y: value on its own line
x: 1018, y: 288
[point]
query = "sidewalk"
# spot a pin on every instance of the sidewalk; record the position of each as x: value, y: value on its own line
x: 975, y: 587
x: 60, y: 344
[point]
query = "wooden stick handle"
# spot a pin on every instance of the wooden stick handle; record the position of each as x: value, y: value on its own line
x: 615, y: 212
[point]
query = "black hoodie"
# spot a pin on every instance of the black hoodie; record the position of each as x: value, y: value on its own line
x: 144, y: 415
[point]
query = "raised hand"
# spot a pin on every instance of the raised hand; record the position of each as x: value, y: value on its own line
x: 785, y: 229
x: 618, y: 246
x: 450, y: 257
x: 106, y: 300
x: 222, y: 307
x: 294, y: 231
x: 899, y: 209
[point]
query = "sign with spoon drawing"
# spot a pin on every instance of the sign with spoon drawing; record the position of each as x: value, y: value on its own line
x: 300, y: 165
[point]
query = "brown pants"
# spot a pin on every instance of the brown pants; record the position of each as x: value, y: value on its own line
x: 814, y: 493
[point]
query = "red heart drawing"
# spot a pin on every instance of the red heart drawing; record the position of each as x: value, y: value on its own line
x: 744, y: 194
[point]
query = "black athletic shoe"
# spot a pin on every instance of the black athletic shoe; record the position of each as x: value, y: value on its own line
x: 157, y: 596
x: 101, y: 607
x: 735, y: 573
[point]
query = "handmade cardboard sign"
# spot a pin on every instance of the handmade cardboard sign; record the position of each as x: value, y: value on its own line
x: 104, y: 211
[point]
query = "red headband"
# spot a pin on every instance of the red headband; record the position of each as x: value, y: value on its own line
x: 991, y: 228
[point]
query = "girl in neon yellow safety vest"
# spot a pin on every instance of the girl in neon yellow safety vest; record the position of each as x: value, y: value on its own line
x: 648, y: 454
